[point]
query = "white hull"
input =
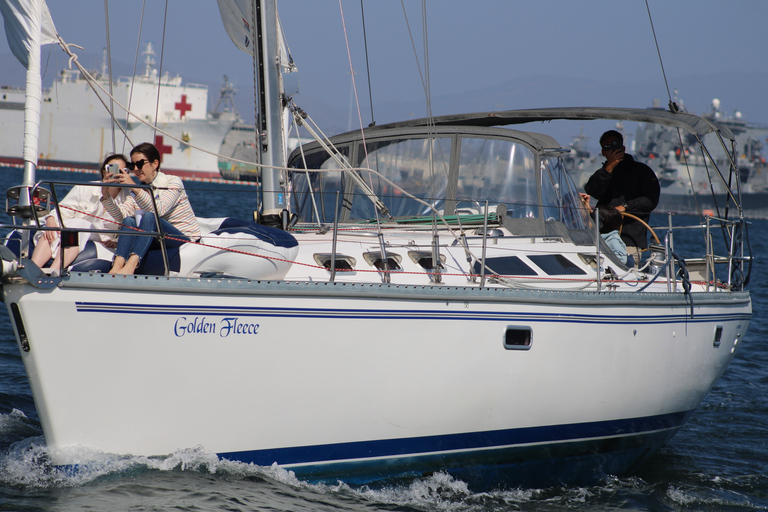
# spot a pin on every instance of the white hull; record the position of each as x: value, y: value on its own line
x: 316, y: 373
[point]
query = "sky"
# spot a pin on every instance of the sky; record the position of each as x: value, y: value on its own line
x: 477, y: 55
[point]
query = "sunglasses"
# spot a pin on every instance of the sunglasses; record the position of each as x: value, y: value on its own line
x: 137, y: 164
x: 616, y: 144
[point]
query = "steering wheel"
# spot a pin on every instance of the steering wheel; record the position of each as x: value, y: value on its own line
x: 641, y: 221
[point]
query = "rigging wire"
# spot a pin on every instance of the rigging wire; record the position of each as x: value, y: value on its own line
x: 672, y: 105
x: 351, y: 70
x: 383, y: 209
x: 367, y: 64
x: 109, y: 65
x: 133, y: 75
x: 425, y: 43
x: 674, y: 108
x: 160, y: 70
x: 413, y: 46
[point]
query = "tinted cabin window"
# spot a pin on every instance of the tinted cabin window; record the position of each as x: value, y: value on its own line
x: 324, y: 184
x: 505, y: 266
x: 556, y: 264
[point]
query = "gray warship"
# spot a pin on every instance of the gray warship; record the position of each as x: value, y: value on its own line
x: 688, y: 184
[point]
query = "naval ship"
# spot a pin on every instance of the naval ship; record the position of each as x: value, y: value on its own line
x: 688, y: 186
x: 76, y: 130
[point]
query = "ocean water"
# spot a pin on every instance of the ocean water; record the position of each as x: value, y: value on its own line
x: 717, y: 462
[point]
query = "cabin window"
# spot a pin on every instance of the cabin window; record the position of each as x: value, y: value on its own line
x: 505, y: 266
x: 560, y: 197
x: 501, y: 171
x: 324, y: 185
x: 406, y: 164
x: 518, y: 338
x: 556, y: 264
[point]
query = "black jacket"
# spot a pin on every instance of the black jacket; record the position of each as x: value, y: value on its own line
x: 631, y: 183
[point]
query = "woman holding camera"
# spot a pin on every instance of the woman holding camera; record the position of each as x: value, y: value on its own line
x: 177, y: 219
x: 81, y: 208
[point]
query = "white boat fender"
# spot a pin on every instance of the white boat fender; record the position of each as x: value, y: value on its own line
x: 8, y: 261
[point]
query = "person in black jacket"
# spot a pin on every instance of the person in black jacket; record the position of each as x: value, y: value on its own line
x: 627, y: 185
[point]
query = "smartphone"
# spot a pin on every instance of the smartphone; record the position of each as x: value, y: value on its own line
x: 113, y: 169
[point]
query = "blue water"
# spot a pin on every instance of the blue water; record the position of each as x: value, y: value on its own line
x: 719, y: 461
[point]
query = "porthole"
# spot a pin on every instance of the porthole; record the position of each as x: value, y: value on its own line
x: 375, y: 259
x: 518, y: 338
x: 718, y: 335
x: 343, y: 262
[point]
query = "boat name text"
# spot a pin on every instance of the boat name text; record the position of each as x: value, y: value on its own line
x: 223, y: 327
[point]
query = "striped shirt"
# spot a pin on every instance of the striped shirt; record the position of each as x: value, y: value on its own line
x: 172, y: 205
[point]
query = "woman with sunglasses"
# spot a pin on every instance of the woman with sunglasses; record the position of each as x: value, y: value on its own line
x: 177, y: 219
x: 80, y: 209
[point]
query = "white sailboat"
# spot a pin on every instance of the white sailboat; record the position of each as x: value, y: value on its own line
x: 439, y: 275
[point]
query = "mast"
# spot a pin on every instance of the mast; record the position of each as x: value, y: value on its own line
x: 253, y: 26
x: 33, y: 98
x: 269, y: 122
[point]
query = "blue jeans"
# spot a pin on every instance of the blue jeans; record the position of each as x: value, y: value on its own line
x: 129, y: 243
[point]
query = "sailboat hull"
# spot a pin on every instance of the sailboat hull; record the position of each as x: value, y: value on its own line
x: 364, y: 382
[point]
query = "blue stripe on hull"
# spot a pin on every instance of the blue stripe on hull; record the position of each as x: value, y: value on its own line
x: 505, y: 316
x: 562, y: 454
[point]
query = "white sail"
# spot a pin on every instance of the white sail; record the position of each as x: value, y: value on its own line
x: 28, y: 24
x: 20, y: 19
x: 237, y: 16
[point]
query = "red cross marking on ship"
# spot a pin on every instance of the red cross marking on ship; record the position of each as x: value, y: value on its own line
x: 182, y: 106
x: 161, y: 148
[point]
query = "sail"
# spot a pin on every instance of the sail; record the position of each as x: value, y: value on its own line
x: 237, y: 16
x: 28, y: 24
x: 19, y: 16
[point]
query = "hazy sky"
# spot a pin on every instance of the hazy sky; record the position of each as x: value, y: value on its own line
x: 477, y: 51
